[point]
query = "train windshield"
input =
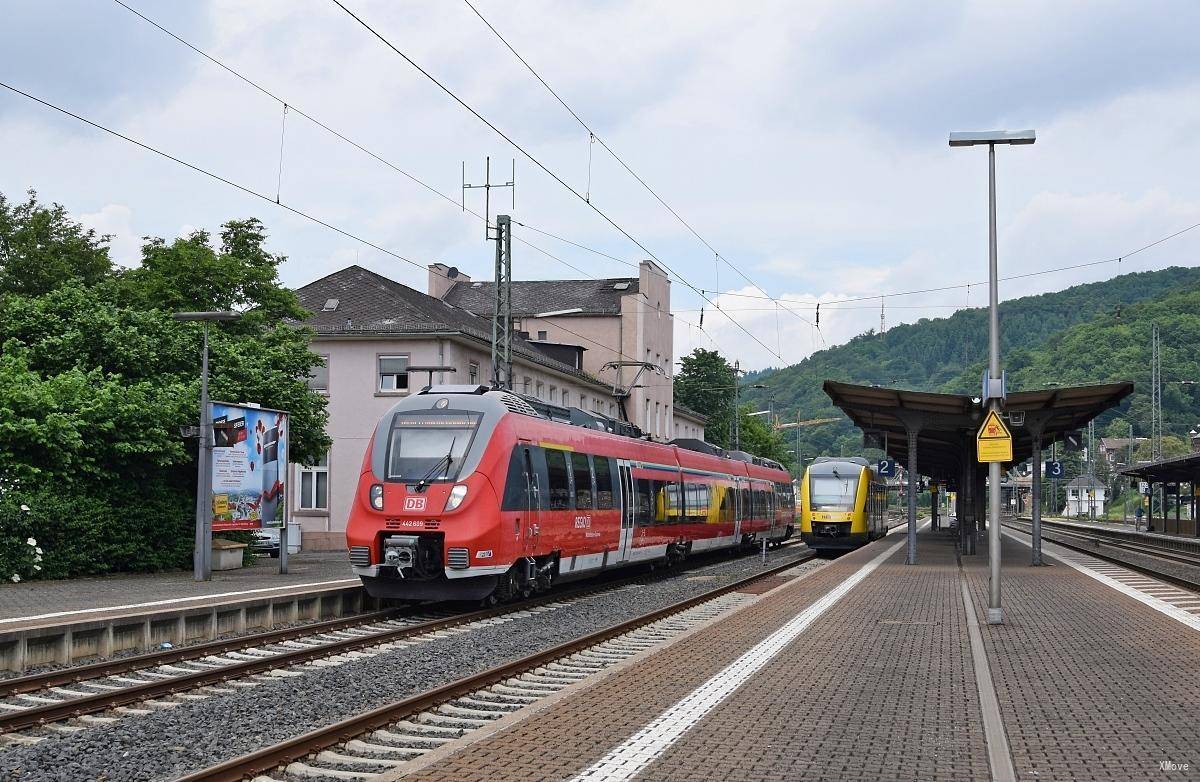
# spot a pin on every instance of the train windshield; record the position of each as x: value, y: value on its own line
x: 430, y: 445
x: 833, y: 492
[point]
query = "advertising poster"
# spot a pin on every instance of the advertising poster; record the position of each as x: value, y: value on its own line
x: 249, y: 469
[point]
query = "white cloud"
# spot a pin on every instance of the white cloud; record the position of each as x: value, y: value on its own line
x: 808, y: 147
x: 116, y: 220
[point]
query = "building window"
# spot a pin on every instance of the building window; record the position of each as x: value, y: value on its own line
x: 314, y: 485
x: 553, y: 394
x: 393, y: 373
x: 541, y: 390
x: 542, y: 336
x: 526, y: 385
x: 318, y: 376
x: 566, y: 398
x: 473, y: 373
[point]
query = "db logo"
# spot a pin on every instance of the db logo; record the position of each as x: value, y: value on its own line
x: 414, y: 503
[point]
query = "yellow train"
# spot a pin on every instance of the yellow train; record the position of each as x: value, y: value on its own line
x: 843, y: 504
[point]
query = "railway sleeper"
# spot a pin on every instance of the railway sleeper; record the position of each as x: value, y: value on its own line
x: 451, y: 721
x: 305, y: 771
x: 412, y: 739
x: 469, y: 702
x: 491, y: 696
x: 403, y: 730
x: 455, y: 709
x: 517, y: 692
x: 358, y: 745
x: 339, y: 759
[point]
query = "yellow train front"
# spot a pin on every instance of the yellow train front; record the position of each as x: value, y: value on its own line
x: 842, y: 504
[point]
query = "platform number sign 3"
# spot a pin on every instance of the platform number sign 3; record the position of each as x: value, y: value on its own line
x: 1055, y: 470
x: 886, y: 467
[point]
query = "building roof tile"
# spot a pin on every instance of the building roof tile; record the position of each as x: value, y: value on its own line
x: 371, y: 304
x: 530, y: 297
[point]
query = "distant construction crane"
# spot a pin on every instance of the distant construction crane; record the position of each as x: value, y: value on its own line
x: 798, y: 425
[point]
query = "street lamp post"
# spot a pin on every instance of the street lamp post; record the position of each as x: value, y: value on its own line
x: 995, y: 614
x: 202, y: 556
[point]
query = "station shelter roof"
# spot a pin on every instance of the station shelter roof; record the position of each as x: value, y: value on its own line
x: 948, y: 422
x: 1184, y: 469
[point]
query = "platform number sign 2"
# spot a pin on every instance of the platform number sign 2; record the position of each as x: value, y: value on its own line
x: 886, y: 467
x: 1055, y: 470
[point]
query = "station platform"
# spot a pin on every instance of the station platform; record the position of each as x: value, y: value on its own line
x: 61, y: 621
x: 869, y: 668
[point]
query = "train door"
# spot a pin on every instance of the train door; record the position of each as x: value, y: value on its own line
x: 628, y: 503
x: 738, y: 511
x: 530, y: 523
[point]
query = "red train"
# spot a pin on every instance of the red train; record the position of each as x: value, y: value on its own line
x: 468, y: 493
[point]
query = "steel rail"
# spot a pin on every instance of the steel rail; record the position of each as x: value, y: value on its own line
x: 1181, y: 581
x: 295, y: 748
x: 90, y: 704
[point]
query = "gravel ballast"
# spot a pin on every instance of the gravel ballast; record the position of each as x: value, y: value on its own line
x: 166, y: 744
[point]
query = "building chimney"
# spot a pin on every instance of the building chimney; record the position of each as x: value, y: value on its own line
x: 442, y: 278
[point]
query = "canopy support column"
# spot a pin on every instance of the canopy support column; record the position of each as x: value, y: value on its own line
x: 912, y: 428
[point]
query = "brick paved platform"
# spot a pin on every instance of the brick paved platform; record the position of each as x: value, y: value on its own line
x: 1085, y: 682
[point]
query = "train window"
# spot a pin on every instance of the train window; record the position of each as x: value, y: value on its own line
x: 559, y: 489
x: 728, y: 500
x: 644, y: 507
x: 604, y: 482
x: 583, y: 481
x: 429, y: 445
x: 516, y: 486
x: 697, y: 502
x: 671, y: 509
x: 744, y: 503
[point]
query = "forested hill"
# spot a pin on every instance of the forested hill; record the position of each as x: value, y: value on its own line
x: 1088, y: 333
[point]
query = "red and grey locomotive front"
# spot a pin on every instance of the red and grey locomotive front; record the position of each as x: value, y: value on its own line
x: 424, y: 522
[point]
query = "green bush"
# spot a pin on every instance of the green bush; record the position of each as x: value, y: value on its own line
x: 89, y: 534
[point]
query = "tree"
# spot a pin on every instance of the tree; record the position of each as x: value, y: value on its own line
x: 760, y: 439
x: 96, y: 379
x: 705, y: 383
x: 41, y: 249
x: 1172, y: 447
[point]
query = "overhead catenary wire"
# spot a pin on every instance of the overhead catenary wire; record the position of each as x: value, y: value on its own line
x: 261, y: 196
x: 289, y: 107
x: 967, y: 285
x: 592, y: 135
x: 545, y: 169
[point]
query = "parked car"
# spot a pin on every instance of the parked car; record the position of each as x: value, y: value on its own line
x: 266, y: 541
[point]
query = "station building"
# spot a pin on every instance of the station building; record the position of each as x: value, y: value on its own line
x: 374, y: 334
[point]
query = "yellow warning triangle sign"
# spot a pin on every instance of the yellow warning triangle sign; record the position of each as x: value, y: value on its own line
x: 993, y: 428
x: 993, y: 443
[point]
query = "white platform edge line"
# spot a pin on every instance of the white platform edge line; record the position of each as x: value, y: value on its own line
x: 642, y: 748
x: 169, y: 601
x: 1162, y: 606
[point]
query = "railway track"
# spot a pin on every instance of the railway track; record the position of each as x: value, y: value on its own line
x: 159, y: 680
x: 386, y: 738
x: 1094, y: 544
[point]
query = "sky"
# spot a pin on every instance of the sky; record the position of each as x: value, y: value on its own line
x: 805, y: 142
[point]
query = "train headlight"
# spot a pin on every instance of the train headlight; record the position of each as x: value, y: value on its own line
x: 457, y: 495
x: 377, y: 496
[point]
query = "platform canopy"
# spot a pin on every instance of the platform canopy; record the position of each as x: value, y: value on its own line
x: 946, y: 423
x: 1181, y: 469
